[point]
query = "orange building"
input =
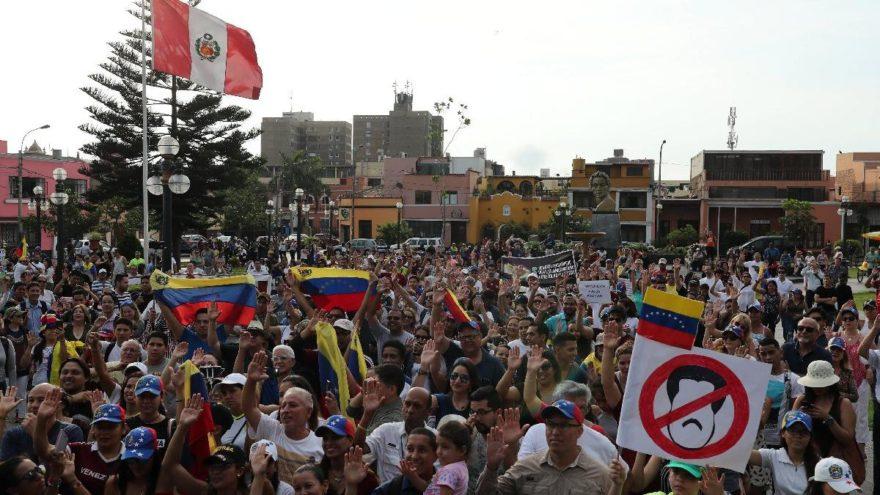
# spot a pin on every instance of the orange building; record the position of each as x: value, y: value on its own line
x: 369, y: 213
x: 492, y: 212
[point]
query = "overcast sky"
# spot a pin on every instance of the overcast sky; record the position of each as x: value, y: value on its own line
x: 545, y: 81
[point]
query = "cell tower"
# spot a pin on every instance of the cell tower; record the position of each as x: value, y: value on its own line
x: 732, y: 138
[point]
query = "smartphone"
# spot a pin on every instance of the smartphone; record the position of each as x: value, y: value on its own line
x: 61, y: 442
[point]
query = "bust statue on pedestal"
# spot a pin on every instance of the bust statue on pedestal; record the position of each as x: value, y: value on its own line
x: 605, y: 216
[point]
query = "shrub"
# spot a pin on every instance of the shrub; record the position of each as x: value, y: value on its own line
x: 684, y: 236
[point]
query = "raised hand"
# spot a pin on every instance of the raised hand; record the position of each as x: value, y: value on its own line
x: 96, y: 399
x: 514, y: 360
x: 213, y: 311
x: 256, y: 370
x: 494, y: 448
x: 509, y: 425
x: 259, y: 460
x: 612, y: 334
x: 439, y: 294
x: 618, y: 472
x: 355, y: 470
x: 190, y: 413
x: 536, y: 359
x: 246, y: 341
x: 180, y: 350
x: 198, y: 357
x: 372, y: 399
x: 49, y: 408
x: 8, y: 402
x: 438, y: 330
x: 331, y: 404
x: 409, y: 471
x: 429, y: 354
x: 711, y: 482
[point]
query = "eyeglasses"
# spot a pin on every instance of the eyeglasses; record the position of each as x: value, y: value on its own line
x: 463, y: 378
x: 483, y: 412
x: 553, y: 425
x: 806, y: 329
x: 848, y: 319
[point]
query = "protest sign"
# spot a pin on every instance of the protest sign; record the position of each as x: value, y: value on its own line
x: 595, y: 291
x: 548, y: 268
x: 696, y: 406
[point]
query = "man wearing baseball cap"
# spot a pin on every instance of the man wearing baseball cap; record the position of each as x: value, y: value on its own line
x: 835, y: 474
x: 148, y: 396
x: 563, y: 464
x: 230, y: 391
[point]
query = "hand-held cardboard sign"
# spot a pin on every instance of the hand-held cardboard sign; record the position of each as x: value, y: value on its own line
x: 697, y: 406
x: 595, y: 291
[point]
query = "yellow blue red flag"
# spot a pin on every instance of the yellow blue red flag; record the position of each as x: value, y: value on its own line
x: 201, y: 434
x: 354, y: 357
x: 669, y: 318
x: 333, y: 287
x: 331, y: 365
x: 236, y: 297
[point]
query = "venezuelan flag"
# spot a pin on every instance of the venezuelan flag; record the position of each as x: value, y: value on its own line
x: 669, y: 318
x: 236, y: 297
x: 331, y: 365
x: 354, y: 357
x: 201, y: 434
x: 333, y: 287
x: 455, y: 308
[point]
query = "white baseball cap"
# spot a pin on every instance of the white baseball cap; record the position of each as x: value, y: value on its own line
x: 344, y: 324
x: 137, y: 366
x: 837, y: 473
x: 271, y: 448
x: 234, y: 379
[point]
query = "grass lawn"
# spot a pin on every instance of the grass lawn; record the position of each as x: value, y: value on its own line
x: 861, y: 297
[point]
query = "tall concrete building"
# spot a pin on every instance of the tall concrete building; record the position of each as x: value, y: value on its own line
x: 329, y: 140
x: 403, y: 132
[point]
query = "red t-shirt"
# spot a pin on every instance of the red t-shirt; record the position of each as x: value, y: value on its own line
x: 91, y: 469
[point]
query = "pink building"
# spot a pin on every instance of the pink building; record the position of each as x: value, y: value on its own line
x: 37, y: 167
x: 435, y: 202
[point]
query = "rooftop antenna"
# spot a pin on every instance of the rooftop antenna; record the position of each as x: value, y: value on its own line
x: 408, y: 88
x: 732, y: 138
x: 290, y: 99
x: 394, y: 86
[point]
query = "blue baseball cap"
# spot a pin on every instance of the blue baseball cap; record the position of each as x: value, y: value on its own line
x: 565, y: 408
x: 734, y: 329
x: 109, y: 413
x: 756, y: 306
x: 837, y: 342
x: 792, y: 417
x: 850, y: 310
x: 140, y: 443
x: 149, y: 384
x: 338, y: 425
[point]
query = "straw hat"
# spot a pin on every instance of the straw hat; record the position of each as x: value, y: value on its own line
x: 819, y: 374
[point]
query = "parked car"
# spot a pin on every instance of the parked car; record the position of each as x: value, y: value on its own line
x: 188, y: 242
x: 82, y: 244
x: 759, y: 244
x: 363, y: 245
x: 421, y: 243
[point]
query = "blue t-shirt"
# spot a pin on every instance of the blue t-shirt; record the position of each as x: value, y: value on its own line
x: 195, y: 342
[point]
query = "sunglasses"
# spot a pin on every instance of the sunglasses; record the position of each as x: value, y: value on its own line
x: 33, y: 475
x: 806, y: 329
x: 848, y: 319
x: 463, y: 378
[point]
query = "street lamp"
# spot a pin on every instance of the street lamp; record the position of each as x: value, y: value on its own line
x: 843, y: 211
x: 38, y: 201
x: 307, y: 207
x: 558, y: 214
x: 659, y: 191
x: 298, y: 196
x: 331, y: 207
x: 657, y: 221
x: 270, y: 209
x: 563, y: 209
x: 59, y: 198
x: 171, y: 184
x: 20, y: 166
x: 399, y: 206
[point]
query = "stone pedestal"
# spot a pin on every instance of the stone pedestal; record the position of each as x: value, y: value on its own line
x: 609, y: 223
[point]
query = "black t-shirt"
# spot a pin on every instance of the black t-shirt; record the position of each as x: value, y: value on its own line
x: 844, y: 294
x: 161, y: 428
x: 829, y: 308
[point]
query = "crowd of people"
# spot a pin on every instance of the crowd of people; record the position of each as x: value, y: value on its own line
x: 523, y: 399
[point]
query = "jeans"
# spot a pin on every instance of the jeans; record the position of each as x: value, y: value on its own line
x: 788, y: 327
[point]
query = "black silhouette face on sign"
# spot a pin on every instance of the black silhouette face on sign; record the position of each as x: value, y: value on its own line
x: 685, y: 385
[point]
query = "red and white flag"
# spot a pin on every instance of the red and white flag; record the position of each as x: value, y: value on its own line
x: 191, y: 43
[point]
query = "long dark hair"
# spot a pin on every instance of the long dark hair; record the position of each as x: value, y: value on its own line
x: 810, y: 393
x: 8, y: 467
x: 472, y: 372
x: 811, y: 456
x: 124, y: 474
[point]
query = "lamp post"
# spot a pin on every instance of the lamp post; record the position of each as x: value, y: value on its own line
x: 38, y: 200
x: 558, y: 214
x: 563, y: 211
x: 331, y: 206
x: 20, y: 166
x: 298, y: 196
x: 399, y: 206
x: 270, y: 209
x: 59, y: 198
x: 171, y: 184
x: 659, y: 190
x: 307, y: 207
x: 659, y: 211
x: 843, y: 211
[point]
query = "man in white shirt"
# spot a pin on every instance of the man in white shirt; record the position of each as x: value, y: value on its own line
x: 593, y: 443
x: 754, y: 266
x: 387, y: 443
x: 783, y: 285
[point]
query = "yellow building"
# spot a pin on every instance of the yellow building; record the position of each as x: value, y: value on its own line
x: 369, y: 214
x: 507, y: 207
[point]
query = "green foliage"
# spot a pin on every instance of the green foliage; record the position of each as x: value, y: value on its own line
x: 516, y: 229
x: 461, y: 118
x: 244, y: 212
x: 488, y: 230
x: 212, y: 152
x: 853, y: 248
x: 573, y: 223
x: 128, y: 244
x: 684, y: 236
x: 299, y: 171
x: 388, y: 232
x: 798, y: 222
x: 79, y: 218
x: 733, y: 238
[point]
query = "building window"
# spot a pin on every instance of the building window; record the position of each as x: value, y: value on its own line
x: 633, y: 233
x: 505, y: 185
x: 374, y: 182
x: 634, y: 170
x: 505, y: 210
x: 450, y: 198
x: 77, y: 186
x: 633, y: 200
x: 27, y: 186
x: 583, y: 199
x: 423, y: 197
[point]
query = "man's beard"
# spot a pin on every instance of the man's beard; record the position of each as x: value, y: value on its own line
x: 481, y: 428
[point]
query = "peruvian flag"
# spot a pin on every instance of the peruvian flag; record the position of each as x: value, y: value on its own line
x: 191, y: 43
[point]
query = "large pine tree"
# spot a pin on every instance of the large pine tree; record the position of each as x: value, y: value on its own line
x: 210, y: 134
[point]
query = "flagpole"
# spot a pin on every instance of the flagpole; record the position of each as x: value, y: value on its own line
x: 146, y: 141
